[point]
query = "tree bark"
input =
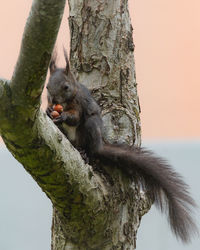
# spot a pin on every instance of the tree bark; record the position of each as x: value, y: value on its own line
x: 102, y: 54
x: 102, y: 58
x: 92, y: 209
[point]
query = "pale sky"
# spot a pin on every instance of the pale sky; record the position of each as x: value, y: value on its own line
x: 167, y: 54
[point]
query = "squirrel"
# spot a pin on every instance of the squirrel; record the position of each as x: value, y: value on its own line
x: 82, y: 124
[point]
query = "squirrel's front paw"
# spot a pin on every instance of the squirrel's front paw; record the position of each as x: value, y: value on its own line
x: 58, y: 120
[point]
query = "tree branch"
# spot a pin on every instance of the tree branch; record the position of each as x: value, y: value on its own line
x: 29, y: 134
x: 2, y: 84
x: 38, y: 41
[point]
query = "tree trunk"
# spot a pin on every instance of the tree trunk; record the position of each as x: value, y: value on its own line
x: 94, y: 207
x: 102, y: 55
x: 102, y: 58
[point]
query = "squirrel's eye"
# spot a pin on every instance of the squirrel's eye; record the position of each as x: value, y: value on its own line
x: 66, y: 87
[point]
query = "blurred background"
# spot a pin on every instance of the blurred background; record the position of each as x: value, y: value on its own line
x: 167, y: 55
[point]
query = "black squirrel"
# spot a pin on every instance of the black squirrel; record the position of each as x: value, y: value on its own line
x: 81, y: 122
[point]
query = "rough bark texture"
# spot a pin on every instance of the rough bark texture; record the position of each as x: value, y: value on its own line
x: 92, y: 209
x: 102, y: 54
x: 102, y: 58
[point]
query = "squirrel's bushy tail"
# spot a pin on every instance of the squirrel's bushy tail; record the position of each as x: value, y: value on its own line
x: 167, y: 187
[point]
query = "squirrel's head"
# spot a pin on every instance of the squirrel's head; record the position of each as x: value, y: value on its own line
x: 62, y: 85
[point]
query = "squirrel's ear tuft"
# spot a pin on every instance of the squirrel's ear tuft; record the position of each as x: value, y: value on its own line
x: 52, y: 65
x: 68, y: 71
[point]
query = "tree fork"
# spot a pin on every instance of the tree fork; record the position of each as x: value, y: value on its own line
x: 92, y: 210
